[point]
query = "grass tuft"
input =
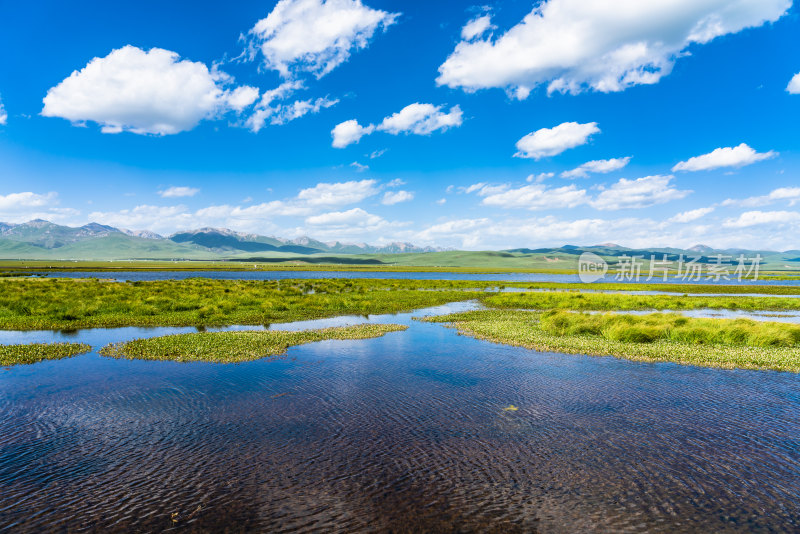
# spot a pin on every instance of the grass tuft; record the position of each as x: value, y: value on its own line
x: 36, y: 352
x: 234, y: 347
x: 720, y: 343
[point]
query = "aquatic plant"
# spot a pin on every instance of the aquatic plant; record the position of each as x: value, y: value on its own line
x: 239, y: 346
x: 36, y: 352
x: 707, y: 342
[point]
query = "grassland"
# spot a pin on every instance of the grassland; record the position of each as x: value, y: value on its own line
x: 86, y: 303
x: 36, y: 352
x: 610, y: 302
x: 234, y: 347
x: 32, y: 304
x: 656, y: 338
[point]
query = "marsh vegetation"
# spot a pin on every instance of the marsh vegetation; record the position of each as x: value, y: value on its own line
x: 36, y: 352
x: 233, y: 347
x: 656, y: 337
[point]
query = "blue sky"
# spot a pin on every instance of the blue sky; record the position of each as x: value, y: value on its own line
x: 478, y: 126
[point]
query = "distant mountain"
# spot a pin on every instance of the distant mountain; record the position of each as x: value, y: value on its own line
x: 48, y: 235
x: 145, y: 234
x: 40, y: 239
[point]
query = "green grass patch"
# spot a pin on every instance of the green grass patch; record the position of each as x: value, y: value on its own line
x: 233, y: 347
x: 564, y: 300
x: 90, y: 303
x: 36, y: 352
x: 706, y: 342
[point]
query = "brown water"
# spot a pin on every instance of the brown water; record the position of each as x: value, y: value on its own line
x: 403, y: 433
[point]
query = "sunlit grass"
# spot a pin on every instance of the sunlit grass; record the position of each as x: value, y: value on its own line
x: 706, y: 342
x: 36, y: 352
x: 87, y: 303
x: 608, y: 301
x: 232, y: 347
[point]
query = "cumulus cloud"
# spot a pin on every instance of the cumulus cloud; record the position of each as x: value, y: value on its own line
x: 395, y: 197
x: 153, y: 92
x: 691, y: 215
x: 421, y: 119
x: 416, y: 118
x: 575, y: 45
x: 790, y: 194
x: 537, y: 197
x: 349, y: 132
x: 175, y: 192
x: 477, y: 27
x: 26, y: 200
x: 155, y: 218
x: 756, y: 218
x: 552, y: 141
x: 355, y: 216
x: 3, y: 114
x: 794, y: 85
x: 600, y: 166
x: 738, y: 156
x: 337, y: 194
x: 638, y: 193
x: 315, y: 36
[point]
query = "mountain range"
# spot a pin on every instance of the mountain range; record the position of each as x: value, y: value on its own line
x: 40, y: 239
x: 43, y: 240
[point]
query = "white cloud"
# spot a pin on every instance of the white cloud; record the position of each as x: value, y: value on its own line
x: 298, y: 108
x: 421, y: 119
x: 441, y: 201
x: 355, y: 216
x: 791, y: 194
x: 574, y: 45
x: 553, y: 141
x: 315, y: 36
x: 794, y: 85
x: 174, y: 192
x: 737, y: 156
x: 338, y: 194
x: 638, y: 193
x: 538, y: 197
x: 395, y: 197
x: 397, y: 182
x: 28, y: 199
x: 349, y: 132
x: 755, y: 218
x: 477, y: 27
x: 416, y: 118
x: 359, y: 167
x: 156, y: 218
x: 153, y: 92
x: 242, y: 97
x: 3, y: 114
x: 539, y: 178
x: 599, y: 166
x: 691, y: 215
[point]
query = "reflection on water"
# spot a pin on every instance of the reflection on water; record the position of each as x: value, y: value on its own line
x: 407, y: 432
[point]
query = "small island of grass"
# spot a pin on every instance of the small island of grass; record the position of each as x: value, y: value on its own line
x: 234, y: 347
x: 36, y: 352
x: 722, y: 343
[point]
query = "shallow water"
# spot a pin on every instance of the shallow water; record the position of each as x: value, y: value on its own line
x: 314, y: 275
x: 403, y: 433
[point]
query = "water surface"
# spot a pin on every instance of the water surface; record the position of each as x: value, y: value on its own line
x: 406, y: 432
